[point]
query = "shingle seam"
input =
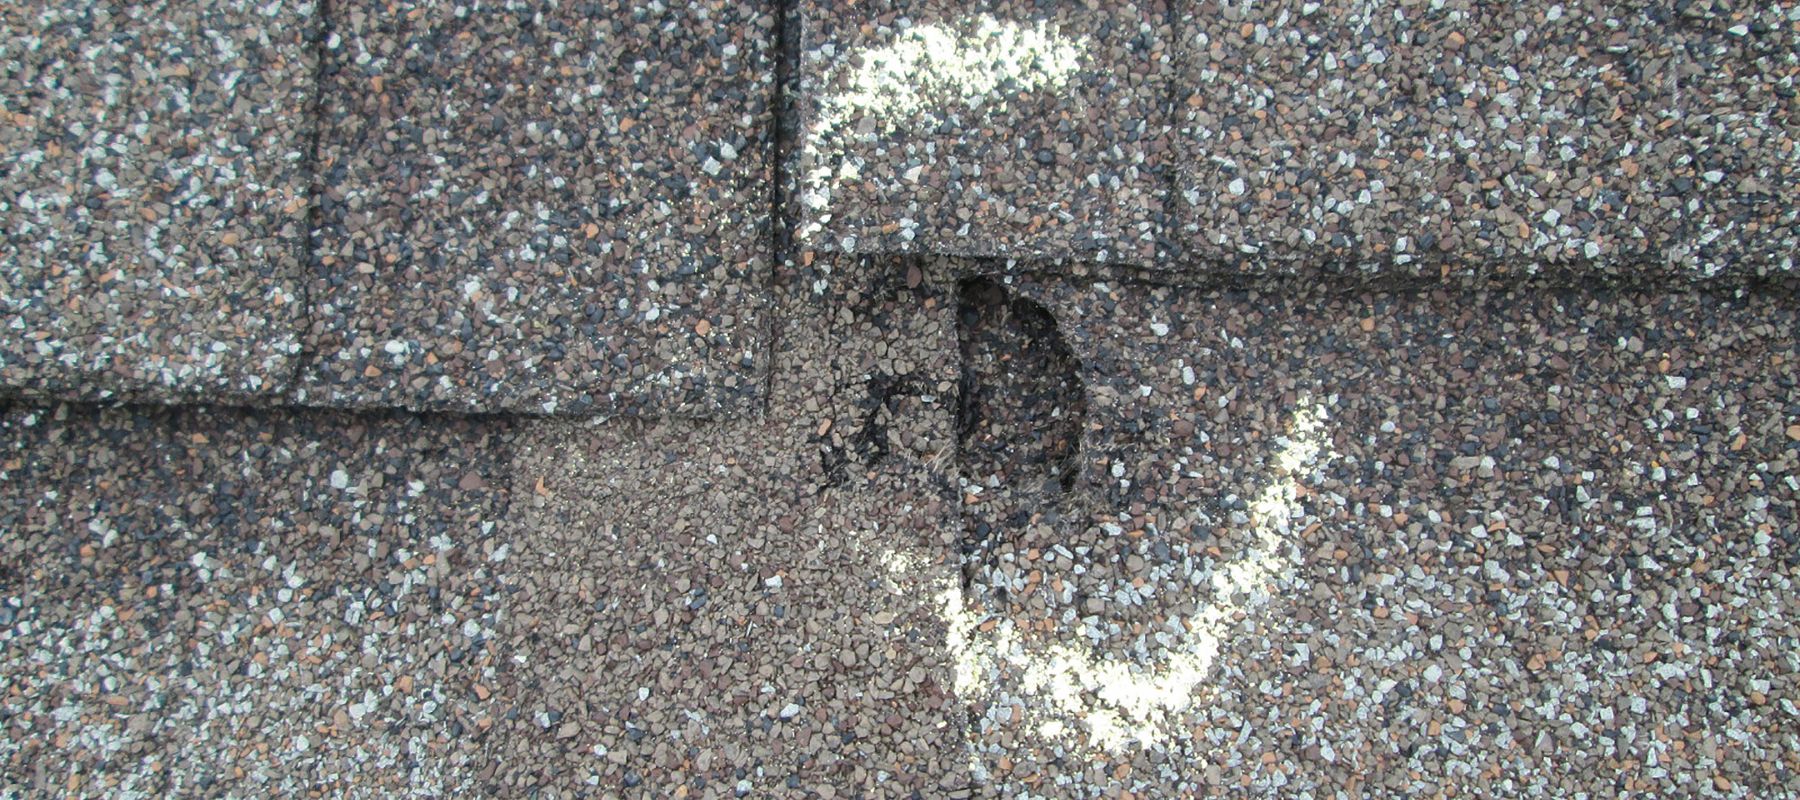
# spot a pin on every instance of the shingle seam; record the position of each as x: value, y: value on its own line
x: 1168, y: 188
x: 781, y: 147
x: 309, y: 244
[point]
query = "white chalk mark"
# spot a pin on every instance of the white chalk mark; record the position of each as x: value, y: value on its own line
x: 974, y: 63
x: 1117, y: 702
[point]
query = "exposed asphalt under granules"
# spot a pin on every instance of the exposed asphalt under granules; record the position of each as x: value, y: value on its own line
x: 153, y: 197
x: 1598, y: 138
x: 556, y: 210
x: 982, y: 129
x: 224, y: 603
x: 1510, y: 543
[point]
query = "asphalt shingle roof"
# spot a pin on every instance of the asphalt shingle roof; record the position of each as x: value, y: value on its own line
x: 1024, y: 398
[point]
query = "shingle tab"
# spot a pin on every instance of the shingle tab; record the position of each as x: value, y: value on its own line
x: 1591, y: 138
x: 982, y: 129
x: 187, y: 565
x: 544, y: 208
x: 153, y: 198
x: 1743, y: 127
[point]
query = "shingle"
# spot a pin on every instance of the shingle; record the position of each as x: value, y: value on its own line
x: 993, y: 128
x: 153, y: 202
x: 1742, y: 126
x: 560, y: 211
x: 1471, y: 137
x: 244, y: 602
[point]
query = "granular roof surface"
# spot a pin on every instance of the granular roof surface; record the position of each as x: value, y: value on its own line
x: 899, y: 398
